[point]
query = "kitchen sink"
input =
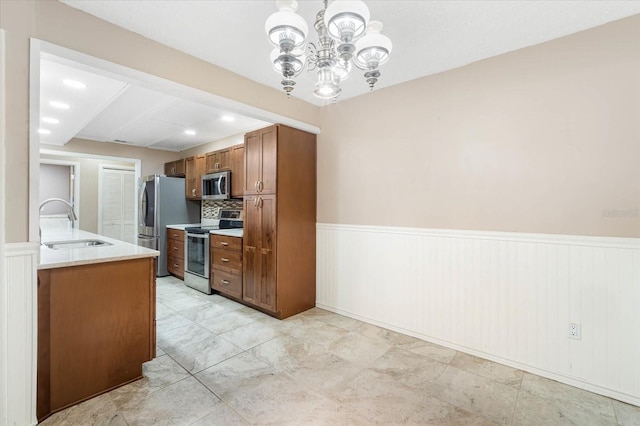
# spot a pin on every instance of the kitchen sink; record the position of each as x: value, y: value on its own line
x: 75, y: 244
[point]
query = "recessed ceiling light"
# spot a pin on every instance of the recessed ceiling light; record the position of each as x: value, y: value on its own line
x: 227, y: 118
x: 60, y: 105
x: 44, y: 131
x: 50, y: 120
x: 190, y: 132
x: 74, y: 83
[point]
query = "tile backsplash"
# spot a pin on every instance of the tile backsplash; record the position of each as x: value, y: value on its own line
x: 208, y: 207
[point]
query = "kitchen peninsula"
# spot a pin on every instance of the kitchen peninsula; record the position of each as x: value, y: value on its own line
x: 96, y: 316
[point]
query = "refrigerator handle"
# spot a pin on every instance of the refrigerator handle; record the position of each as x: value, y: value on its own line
x: 142, y: 210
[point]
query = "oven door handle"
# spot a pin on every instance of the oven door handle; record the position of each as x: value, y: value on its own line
x: 203, y: 236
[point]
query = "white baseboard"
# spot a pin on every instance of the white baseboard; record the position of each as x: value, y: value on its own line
x: 507, y: 297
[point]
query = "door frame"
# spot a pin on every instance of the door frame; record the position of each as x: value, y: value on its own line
x: 136, y: 177
x: 76, y: 183
x: 4, y: 317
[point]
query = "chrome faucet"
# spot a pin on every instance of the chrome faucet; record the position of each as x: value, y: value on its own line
x: 71, y: 214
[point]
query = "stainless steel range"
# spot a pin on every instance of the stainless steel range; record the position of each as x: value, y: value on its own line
x: 196, y: 248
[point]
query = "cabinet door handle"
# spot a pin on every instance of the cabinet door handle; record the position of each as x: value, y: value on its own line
x: 175, y: 265
x: 222, y: 243
x: 224, y: 259
x: 260, y: 186
x: 256, y: 186
x: 193, y: 191
x: 225, y: 282
x: 175, y: 249
x: 255, y: 202
x: 260, y: 203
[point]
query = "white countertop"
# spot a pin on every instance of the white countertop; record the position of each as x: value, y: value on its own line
x: 234, y: 232
x: 119, y: 250
x: 182, y: 226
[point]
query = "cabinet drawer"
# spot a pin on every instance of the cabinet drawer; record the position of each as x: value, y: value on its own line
x: 175, y: 234
x: 227, y: 260
x: 225, y: 242
x: 176, y: 248
x: 226, y: 283
x: 175, y: 266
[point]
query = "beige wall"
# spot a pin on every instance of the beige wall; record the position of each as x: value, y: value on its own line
x: 541, y: 140
x: 152, y: 160
x: 213, y: 146
x: 59, y: 24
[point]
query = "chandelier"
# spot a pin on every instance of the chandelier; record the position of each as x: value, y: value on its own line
x: 345, y: 37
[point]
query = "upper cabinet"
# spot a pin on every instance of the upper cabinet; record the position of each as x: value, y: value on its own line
x: 237, y: 171
x: 194, y: 169
x: 260, y: 150
x: 175, y: 168
x: 218, y: 161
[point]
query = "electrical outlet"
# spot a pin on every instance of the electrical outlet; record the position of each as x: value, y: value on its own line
x: 574, y: 331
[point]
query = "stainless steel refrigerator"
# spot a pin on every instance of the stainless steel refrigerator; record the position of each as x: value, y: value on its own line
x: 162, y: 202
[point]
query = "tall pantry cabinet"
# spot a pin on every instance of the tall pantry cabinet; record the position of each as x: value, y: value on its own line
x: 279, y: 244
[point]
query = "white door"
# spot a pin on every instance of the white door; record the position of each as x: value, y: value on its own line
x: 116, y: 212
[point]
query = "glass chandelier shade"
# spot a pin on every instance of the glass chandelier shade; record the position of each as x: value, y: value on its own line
x: 345, y: 37
x: 342, y: 69
x: 328, y: 84
x: 346, y: 20
x: 285, y: 28
x: 373, y: 49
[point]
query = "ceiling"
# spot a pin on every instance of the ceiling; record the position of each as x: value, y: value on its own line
x: 428, y: 37
x: 115, y: 108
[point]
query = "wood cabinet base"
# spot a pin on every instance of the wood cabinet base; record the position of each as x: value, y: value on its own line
x: 96, y: 326
x: 175, y: 252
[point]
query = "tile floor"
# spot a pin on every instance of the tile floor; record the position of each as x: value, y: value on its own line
x: 220, y: 363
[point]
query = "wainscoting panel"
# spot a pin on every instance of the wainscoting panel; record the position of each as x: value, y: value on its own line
x: 507, y: 297
x: 18, y: 310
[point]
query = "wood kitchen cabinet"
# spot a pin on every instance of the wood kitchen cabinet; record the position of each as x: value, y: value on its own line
x: 175, y: 252
x: 218, y: 161
x: 96, y: 327
x: 175, y: 168
x: 279, y: 244
x: 226, y: 265
x: 260, y: 153
x: 194, y: 169
x: 237, y: 171
x: 260, y: 251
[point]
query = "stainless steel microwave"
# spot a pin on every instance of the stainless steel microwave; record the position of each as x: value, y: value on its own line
x: 216, y: 186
